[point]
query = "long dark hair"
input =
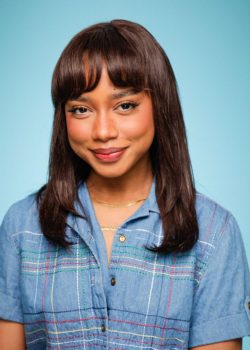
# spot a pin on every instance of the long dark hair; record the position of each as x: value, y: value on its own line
x: 134, y: 59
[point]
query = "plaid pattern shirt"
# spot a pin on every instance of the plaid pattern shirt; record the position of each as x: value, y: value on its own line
x: 71, y: 299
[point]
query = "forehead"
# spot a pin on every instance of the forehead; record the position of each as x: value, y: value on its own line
x: 117, y: 69
x: 105, y: 87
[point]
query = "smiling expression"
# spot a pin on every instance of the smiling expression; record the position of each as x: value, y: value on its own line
x: 111, y: 128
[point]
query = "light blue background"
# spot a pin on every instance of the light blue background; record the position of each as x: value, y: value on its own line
x: 208, y: 43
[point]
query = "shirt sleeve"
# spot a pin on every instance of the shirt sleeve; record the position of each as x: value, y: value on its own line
x: 221, y: 306
x: 10, y: 295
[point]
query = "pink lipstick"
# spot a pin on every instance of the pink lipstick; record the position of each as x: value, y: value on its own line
x: 108, y: 154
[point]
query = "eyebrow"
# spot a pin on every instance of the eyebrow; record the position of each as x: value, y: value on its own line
x: 113, y: 96
x: 124, y: 93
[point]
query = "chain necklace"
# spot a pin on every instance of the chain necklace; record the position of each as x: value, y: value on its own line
x: 118, y: 205
x: 109, y: 228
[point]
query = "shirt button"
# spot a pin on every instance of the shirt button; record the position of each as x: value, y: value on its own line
x: 103, y: 328
x: 113, y: 281
x: 122, y: 238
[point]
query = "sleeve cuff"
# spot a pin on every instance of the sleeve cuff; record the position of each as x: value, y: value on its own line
x: 10, y: 308
x: 222, y: 329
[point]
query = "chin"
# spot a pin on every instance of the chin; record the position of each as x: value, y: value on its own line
x: 110, y: 174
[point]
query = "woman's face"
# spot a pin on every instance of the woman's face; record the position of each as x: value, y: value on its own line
x: 111, y: 128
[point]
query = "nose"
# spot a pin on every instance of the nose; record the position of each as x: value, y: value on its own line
x: 104, y: 128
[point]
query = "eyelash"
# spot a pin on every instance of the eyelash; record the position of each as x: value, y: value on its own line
x: 132, y: 105
x: 80, y: 110
x: 73, y: 110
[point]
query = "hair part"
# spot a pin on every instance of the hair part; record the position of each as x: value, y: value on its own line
x: 133, y: 58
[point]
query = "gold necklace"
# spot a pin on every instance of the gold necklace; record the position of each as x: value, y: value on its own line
x: 109, y: 228
x: 118, y: 205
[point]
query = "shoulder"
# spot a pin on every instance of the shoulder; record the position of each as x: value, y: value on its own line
x: 22, y: 217
x: 22, y: 210
x: 219, y: 233
x: 208, y: 208
x: 213, y: 219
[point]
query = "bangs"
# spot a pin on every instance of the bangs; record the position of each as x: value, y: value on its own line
x: 80, y: 65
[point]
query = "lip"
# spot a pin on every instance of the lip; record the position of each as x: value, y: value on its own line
x: 108, y: 155
x: 108, y: 150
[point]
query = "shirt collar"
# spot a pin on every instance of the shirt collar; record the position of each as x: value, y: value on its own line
x: 151, y: 200
x: 150, y: 204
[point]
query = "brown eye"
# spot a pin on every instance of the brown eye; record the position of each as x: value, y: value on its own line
x: 127, y: 106
x: 78, y: 110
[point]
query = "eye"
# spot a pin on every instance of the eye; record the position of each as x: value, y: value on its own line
x: 127, y: 106
x: 78, y: 110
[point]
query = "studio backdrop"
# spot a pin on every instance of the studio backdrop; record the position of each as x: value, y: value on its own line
x: 208, y: 43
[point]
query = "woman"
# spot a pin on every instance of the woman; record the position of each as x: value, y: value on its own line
x: 118, y: 250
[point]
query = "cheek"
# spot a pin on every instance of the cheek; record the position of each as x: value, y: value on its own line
x: 142, y: 127
x: 76, y: 131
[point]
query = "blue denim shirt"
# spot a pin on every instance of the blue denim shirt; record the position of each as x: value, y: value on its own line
x: 71, y: 299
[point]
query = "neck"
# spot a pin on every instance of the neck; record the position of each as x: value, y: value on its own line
x: 121, y: 189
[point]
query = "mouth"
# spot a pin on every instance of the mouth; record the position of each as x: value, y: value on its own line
x: 109, y: 154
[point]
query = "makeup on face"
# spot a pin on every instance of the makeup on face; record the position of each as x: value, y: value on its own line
x: 111, y: 128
